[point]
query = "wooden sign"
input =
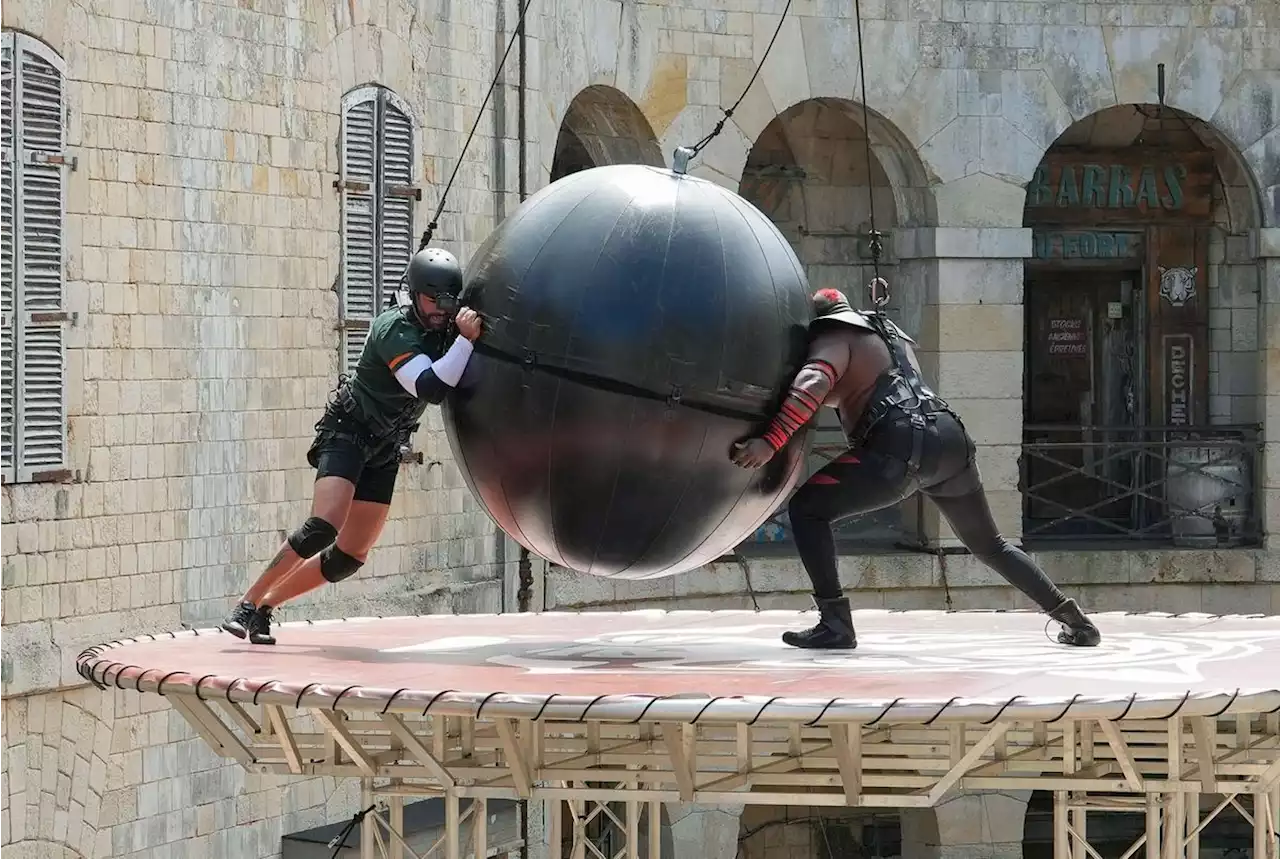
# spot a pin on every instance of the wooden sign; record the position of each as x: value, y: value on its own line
x: 1068, y: 338
x: 1133, y: 185
x: 1178, y: 312
x: 1179, y: 354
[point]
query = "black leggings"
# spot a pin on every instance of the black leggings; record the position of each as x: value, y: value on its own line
x: 876, y: 475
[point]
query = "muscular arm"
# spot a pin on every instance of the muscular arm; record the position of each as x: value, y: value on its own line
x: 431, y: 380
x: 826, y: 363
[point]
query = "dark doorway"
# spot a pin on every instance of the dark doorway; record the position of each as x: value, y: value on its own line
x: 1083, y: 393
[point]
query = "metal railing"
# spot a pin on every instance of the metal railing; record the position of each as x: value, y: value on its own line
x: 1170, y: 486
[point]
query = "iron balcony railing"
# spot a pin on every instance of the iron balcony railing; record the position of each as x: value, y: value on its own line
x: 1172, y: 486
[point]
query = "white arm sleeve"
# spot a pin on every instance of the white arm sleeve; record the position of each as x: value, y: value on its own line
x: 448, y: 369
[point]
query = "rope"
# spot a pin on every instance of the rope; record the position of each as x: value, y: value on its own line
x: 435, y: 219
x: 879, y: 287
x: 691, y: 151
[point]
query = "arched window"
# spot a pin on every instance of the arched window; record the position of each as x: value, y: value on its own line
x: 378, y: 195
x: 33, y: 306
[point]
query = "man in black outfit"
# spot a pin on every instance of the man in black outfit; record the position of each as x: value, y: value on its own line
x: 903, y: 438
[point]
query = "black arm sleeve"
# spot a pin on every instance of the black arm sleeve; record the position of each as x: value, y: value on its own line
x: 431, y: 388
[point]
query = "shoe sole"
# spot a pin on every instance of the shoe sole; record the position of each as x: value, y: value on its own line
x: 238, y: 632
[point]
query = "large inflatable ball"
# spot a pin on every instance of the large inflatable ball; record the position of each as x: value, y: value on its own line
x: 638, y: 322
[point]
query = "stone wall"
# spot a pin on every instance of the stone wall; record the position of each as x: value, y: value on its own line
x: 202, y: 252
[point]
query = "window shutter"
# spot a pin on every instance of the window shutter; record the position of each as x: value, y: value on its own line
x: 8, y: 368
x: 359, y: 220
x: 397, y: 198
x: 41, y: 350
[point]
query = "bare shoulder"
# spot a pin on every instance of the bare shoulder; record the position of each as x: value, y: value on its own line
x: 836, y: 347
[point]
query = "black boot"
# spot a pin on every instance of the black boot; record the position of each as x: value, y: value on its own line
x: 1078, y: 630
x: 259, y: 626
x: 834, y: 629
x: 237, y: 623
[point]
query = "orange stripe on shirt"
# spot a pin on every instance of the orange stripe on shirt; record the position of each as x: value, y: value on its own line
x: 395, y: 362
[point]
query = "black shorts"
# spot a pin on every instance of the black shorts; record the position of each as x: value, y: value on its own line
x: 344, y: 448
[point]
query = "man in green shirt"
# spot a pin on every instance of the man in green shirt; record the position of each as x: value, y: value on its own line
x: 411, y: 358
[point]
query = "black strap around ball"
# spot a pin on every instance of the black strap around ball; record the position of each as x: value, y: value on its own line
x: 675, y: 397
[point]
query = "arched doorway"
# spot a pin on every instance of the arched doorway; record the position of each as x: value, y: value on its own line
x: 603, y: 126
x: 1141, y: 385
x: 819, y: 832
x: 809, y: 171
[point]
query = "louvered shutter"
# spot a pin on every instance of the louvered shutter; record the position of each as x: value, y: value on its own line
x: 359, y: 222
x: 8, y: 251
x: 397, y: 198
x: 41, y: 321
x: 377, y: 209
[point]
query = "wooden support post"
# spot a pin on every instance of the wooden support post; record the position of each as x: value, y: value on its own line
x: 479, y: 828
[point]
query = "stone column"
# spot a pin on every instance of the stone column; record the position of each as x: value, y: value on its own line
x: 978, y: 825
x: 1267, y: 245
x: 971, y: 347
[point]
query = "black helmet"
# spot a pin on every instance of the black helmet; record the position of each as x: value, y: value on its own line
x: 435, y: 273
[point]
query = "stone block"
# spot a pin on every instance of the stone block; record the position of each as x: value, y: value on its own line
x: 977, y: 327
x: 887, y: 571
x: 998, y: 465
x: 979, y: 200
x: 32, y: 661
x: 955, y: 151
x: 990, y: 421
x: 980, y: 374
x: 787, y: 83
x: 567, y: 589
x: 965, y: 281
x: 928, y: 103
x: 1250, y: 598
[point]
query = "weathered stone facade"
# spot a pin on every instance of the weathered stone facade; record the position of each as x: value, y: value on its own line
x: 202, y: 249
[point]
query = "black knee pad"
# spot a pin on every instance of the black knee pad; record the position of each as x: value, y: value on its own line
x: 336, y: 565
x: 313, y: 536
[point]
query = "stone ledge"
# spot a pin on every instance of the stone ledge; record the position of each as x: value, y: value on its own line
x: 1193, y: 574
x: 962, y: 243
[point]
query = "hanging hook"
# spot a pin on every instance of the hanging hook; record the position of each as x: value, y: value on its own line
x: 879, y: 289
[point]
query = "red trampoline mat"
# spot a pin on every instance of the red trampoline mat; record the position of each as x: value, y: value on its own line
x: 921, y: 656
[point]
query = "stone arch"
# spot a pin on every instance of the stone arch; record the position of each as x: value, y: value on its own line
x: 898, y: 166
x: 601, y: 126
x: 1237, y: 196
x: 42, y: 850
x: 1123, y: 197
x: 57, y: 23
x: 812, y: 832
x: 57, y: 746
x: 809, y: 172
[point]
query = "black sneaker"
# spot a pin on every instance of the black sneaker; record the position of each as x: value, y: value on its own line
x: 237, y: 623
x: 259, y: 626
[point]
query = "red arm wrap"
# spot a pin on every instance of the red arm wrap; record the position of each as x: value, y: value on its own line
x: 810, y: 388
